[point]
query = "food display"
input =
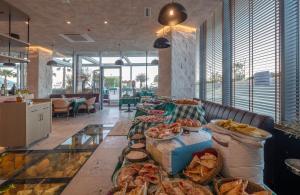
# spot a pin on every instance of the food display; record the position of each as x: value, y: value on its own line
x: 32, y: 189
x: 150, y: 119
x: 239, y: 187
x: 137, y: 136
x: 136, y: 156
x: 187, y: 102
x: 189, y: 124
x: 134, y: 175
x: 156, y: 112
x: 242, y: 128
x: 164, y: 131
x: 203, y: 166
x: 138, y: 146
x: 139, y: 190
x: 11, y: 162
x: 56, y: 165
x: 181, y: 187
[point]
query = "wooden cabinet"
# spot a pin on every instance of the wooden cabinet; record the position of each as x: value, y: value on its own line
x: 22, y: 124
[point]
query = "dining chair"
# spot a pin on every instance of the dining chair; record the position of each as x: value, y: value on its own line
x: 88, y: 105
x: 61, y: 106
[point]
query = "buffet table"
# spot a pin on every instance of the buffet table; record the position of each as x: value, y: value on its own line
x: 177, y: 154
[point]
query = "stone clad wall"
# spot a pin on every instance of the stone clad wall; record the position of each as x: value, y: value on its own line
x: 177, y: 66
x: 183, y: 64
x: 39, y: 75
x: 164, y: 72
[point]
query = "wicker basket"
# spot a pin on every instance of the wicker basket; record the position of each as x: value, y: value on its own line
x: 205, y: 189
x: 213, y: 173
x: 251, y: 187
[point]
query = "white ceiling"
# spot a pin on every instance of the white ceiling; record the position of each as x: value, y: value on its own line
x: 127, y: 24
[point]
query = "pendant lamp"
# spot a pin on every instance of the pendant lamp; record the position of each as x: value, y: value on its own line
x: 119, y: 62
x: 154, y: 62
x: 52, y: 62
x: 172, y: 14
x: 9, y: 64
x: 161, y: 42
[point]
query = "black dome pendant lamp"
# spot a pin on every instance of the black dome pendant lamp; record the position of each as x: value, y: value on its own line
x: 119, y: 62
x: 162, y: 42
x: 172, y: 14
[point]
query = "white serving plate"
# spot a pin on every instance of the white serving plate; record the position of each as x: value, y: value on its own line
x: 165, y: 138
x: 241, y: 135
x: 194, y: 129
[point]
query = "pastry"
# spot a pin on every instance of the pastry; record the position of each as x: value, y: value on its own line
x: 229, y: 185
x: 201, y: 166
x: 261, y: 193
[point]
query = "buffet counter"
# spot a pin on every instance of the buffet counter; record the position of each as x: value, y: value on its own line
x: 13, y: 97
x: 30, y: 122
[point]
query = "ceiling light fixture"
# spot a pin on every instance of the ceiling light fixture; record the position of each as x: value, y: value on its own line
x: 68, y: 22
x: 26, y: 22
x: 119, y: 62
x: 52, y: 62
x: 172, y: 14
x: 105, y: 22
x: 154, y: 62
x: 162, y: 42
x: 9, y: 64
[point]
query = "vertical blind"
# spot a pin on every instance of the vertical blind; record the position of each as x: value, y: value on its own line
x: 256, y: 56
x: 214, y: 56
x: 291, y: 74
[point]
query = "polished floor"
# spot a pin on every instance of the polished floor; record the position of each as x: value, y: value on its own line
x: 63, y: 128
x: 70, y: 141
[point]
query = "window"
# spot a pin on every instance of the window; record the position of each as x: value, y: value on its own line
x: 62, y: 80
x: 255, y: 56
x: 291, y: 62
x: 88, y: 80
x: 10, y: 75
x: 214, y: 57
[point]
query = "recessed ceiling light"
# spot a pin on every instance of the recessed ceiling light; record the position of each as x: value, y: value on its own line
x: 105, y: 22
x: 68, y: 22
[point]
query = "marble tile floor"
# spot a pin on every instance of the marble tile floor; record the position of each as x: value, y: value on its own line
x: 63, y: 128
x: 95, y: 176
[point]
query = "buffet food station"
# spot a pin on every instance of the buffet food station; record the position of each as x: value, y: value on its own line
x: 178, y: 152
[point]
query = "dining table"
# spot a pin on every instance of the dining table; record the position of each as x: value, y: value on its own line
x: 75, y: 103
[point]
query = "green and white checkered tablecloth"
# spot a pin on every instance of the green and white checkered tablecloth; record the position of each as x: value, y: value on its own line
x: 179, y: 112
x: 195, y: 112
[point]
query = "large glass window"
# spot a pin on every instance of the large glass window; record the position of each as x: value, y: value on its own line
x: 214, y: 57
x: 88, y: 75
x: 62, y: 80
x: 10, y: 76
x: 255, y: 40
x: 126, y: 81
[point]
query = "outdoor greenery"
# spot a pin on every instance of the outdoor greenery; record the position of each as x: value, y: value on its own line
x: 7, y: 73
x: 141, y: 78
x: 239, y: 71
x: 111, y: 81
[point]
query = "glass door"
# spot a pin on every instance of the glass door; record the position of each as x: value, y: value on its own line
x: 111, y: 85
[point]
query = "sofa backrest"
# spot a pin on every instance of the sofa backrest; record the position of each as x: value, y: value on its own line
x: 218, y: 111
